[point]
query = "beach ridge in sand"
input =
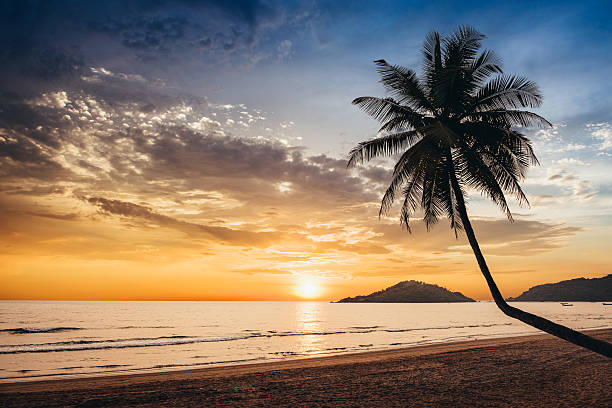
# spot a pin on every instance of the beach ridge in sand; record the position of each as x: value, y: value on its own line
x: 534, y: 370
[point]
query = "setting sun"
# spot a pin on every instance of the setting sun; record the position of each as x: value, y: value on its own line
x: 308, y: 290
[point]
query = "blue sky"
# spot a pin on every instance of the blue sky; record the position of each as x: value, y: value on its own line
x: 146, y: 103
x: 306, y: 60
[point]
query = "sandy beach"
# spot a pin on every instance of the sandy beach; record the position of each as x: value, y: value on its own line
x: 539, y: 371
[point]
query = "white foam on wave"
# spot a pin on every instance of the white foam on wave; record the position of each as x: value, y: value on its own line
x: 79, y: 345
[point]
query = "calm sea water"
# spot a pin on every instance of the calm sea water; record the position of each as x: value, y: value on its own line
x: 42, y: 340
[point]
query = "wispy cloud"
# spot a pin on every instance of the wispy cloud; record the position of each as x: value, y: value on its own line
x: 603, y: 132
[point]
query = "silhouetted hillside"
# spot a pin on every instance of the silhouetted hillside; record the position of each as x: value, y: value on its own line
x: 575, y: 290
x: 410, y: 292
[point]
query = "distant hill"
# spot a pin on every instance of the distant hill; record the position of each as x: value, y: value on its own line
x: 574, y: 290
x: 410, y: 292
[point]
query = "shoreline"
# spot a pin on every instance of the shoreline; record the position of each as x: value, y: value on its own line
x: 426, y: 348
x: 314, y: 361
x: 501, y: 354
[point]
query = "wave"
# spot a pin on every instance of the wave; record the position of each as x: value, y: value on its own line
x: 112, y: 368
x: 110, y: 344
x: 65, y: 343
x: 81, y: 345
x: 446, y: 327
x: 145, y: 327
x: 28, y: 330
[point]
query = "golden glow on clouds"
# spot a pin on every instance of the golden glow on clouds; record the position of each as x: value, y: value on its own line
x: 106, y: 200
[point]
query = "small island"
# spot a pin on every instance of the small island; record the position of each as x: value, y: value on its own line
x: 573, y: 290
x: 410, y: 292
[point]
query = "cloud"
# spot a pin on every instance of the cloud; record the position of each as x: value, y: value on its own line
x: 261, y: 271
x: 62, y: 217
x: 495, y: 236
x: 285, y: 49
x: 570, y: 161
x: 551, y: 133
x: 578, y: 188
x: 139, y: 212
x: 96, y: 75
x: 603, y: 132
x: 537, y: 200
x: 51, y: 42
x: 161, y: 161
x: 107, y: 135
x: 570, y: 147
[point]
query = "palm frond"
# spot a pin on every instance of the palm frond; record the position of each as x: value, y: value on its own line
x: 461, y: 47
x: 473, y: 172
x: 507, y: 91
x: 387, y: 145
x: 455, y: 82
x: 430, y: 203
x: 521, y: 145
x: 518, y: 148
x: 432, y: 65
x: 384, y: 109
x: 448, y: 200
x: 432, y: 55
x: 403, y: 84
x: 408, y: 168
x: 508, y: 165
x: 508, y: 118
x: 493, y: 138
x: 487, y: 64
x: 411, y: 193
x: 507, y: 174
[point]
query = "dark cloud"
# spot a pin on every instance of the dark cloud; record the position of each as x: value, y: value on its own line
x: 376, y: 174
x: 24, y: 160
x: 22, y: 118
x: 578, y: 188
x: 48, y: 63
x: 49, y: 190
x: 144, y: 213
x: 121, y: 132
x: 62, y: 217
x: 42, y: 42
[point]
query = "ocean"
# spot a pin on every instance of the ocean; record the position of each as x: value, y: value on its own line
x: 60, y: 339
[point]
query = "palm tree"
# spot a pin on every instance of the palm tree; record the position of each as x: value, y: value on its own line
x: 455, y: 129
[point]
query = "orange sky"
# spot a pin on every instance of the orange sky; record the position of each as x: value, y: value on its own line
x: 249, y: 237
x: 187, y: 210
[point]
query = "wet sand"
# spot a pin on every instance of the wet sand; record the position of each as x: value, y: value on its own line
x: 531, y: 371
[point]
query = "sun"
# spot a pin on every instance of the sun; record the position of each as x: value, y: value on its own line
x: 308, y: 289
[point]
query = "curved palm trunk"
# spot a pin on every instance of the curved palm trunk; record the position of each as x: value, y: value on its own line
x: 538, y: 322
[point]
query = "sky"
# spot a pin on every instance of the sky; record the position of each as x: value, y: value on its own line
x: 196, y: 150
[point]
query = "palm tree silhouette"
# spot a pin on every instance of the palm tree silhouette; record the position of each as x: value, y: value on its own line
x: 455, y: 128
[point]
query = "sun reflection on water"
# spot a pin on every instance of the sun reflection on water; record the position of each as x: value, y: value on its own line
x: 308, y: 318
